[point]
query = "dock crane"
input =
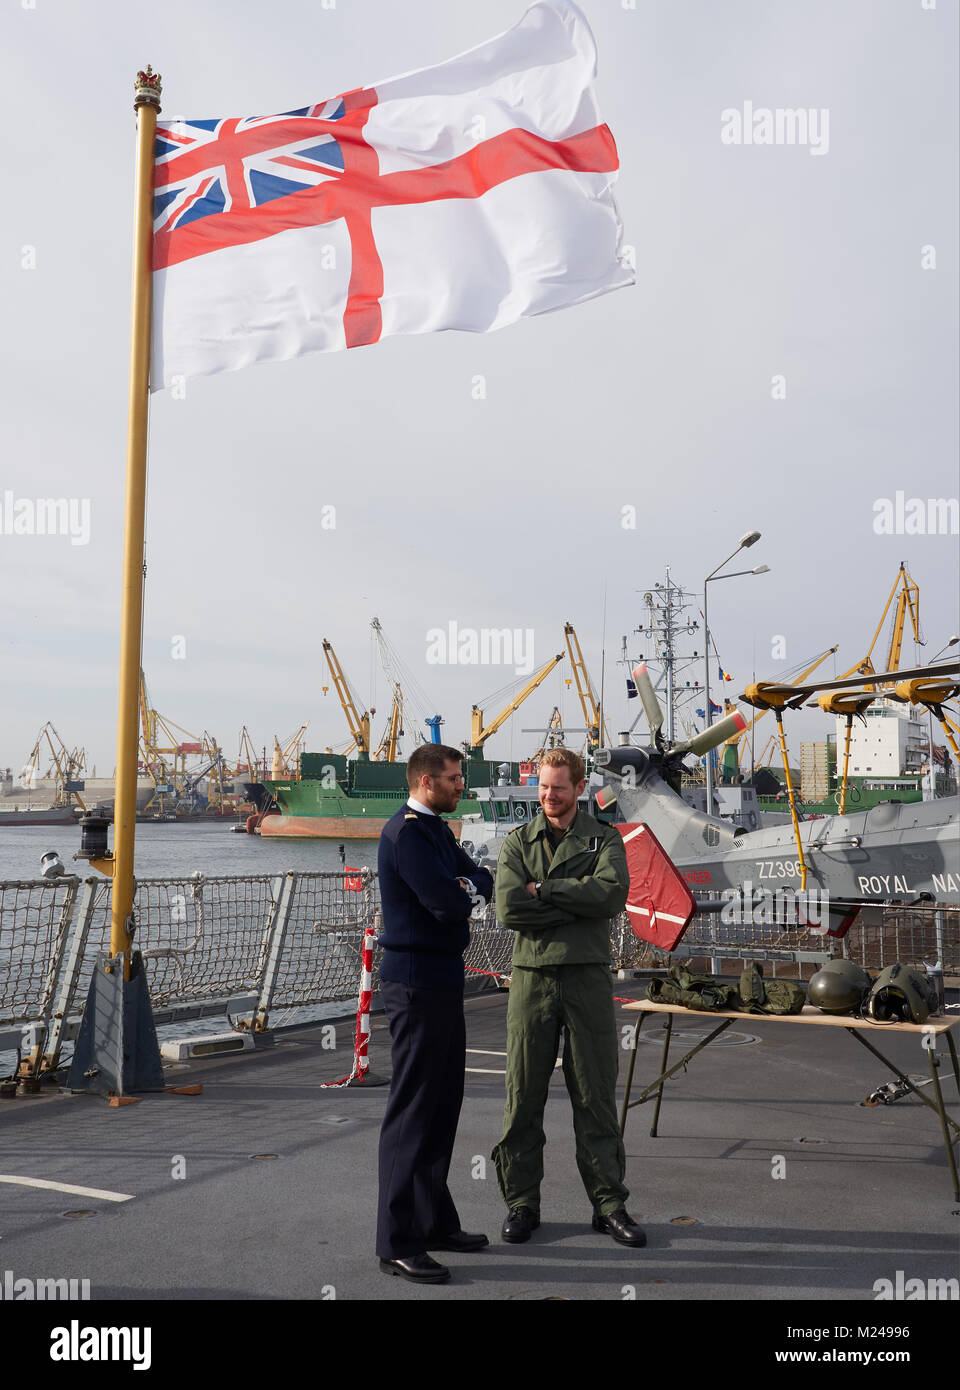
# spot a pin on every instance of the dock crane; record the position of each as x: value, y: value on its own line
x: 553, y: 736
x: 387, y: 748
x: 592, y: 715
x: 166, y: 763
x: 67, y: 765
x: 908, y: 602
x: 358, y: 724
x: 479, y: 734
x: 251, y: 769
x: 285, y: 768
x: 852, y: 704
x: 189, y: 800
x: 167, y: 777
x: 740, y: 738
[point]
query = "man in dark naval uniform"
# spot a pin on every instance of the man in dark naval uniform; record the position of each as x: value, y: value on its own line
x: 428, y: 887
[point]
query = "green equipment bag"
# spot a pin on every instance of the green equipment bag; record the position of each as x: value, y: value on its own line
x: 702, y: 992
x: 760, y: 996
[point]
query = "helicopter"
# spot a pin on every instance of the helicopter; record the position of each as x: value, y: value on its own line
x: 822, y: 871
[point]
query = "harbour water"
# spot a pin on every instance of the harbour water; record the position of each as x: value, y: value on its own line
x: 174, y: 851
x: 168, y: 850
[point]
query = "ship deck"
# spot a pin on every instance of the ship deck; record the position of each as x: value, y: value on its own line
x: 865, y: 1191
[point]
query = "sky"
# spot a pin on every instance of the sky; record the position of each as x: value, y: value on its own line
x: 786, y: 360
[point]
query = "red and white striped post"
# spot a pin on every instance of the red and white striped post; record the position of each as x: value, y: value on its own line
x: 361, y: 1064
x: 361, y: 1075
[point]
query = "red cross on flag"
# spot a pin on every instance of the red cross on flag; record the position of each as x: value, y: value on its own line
x: 467, y: 196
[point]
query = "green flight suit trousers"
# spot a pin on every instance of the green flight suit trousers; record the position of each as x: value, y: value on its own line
x: 579, y: 1000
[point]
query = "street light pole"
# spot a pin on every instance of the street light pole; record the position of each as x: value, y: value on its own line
x: 747, y: 540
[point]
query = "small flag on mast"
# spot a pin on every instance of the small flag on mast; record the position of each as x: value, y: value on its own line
x: 466, y: 195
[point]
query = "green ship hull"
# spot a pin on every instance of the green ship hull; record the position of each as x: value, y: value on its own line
x: 339, y: 800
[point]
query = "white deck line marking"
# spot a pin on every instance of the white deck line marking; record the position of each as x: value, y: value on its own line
x: 484, y: 1052
x: 68, y: 1187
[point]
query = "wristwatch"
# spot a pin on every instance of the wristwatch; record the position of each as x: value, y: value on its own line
x: 537, y: 887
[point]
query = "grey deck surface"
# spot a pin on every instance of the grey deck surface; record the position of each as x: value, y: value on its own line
x: 874, y: 1199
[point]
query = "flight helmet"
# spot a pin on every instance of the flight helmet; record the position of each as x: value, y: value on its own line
x: 839, y: 987
x: 901, y: 994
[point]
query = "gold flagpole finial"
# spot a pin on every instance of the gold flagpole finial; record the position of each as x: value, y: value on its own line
x: 147, y: 87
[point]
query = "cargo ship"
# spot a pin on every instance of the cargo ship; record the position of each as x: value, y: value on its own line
x: 40, y: 815
x: 340, y: 799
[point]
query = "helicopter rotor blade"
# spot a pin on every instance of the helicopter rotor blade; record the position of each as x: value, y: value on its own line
x: 648, y: 697
x: 710, y: 737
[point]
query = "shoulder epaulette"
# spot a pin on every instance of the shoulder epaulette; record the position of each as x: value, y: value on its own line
x: 411, y: 815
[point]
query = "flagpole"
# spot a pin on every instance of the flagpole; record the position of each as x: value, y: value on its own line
x: 147, y: 106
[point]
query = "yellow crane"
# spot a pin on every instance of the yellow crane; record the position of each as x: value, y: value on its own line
x: 286, y: 757
x: 479, y: 734
x: 739, y: 738
x: 592, y: 715
x: 164, y: 759
x: 853, y: 704
x: 769, y: 748
x: 387, y: 749
x: 251, y: 768
x: 154, y: 728
x: 358, y: 724
x: 908, y: 602
x: 67, y: 766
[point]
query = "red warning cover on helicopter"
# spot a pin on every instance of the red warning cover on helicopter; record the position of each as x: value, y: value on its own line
x: 659, y: 903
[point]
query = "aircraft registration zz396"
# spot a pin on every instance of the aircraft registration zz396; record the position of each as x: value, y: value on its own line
x: 894, y: 852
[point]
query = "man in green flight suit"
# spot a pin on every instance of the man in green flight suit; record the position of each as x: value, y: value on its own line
x: 559, y: 881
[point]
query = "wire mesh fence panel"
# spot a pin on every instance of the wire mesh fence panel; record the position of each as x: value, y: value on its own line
x: 203, y: 938
x: 35, y: 917
x: 491, y: 946
x: 320, y: 960
x: 716, y: 937
x: 912, y: 935
x: 34, y: 923
x: 200, y: 937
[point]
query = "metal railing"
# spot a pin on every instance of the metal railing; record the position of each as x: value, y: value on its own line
x: 256, y: 944
x: 250, y: 944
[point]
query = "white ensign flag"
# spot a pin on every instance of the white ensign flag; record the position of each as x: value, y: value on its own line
x: 464, y: 196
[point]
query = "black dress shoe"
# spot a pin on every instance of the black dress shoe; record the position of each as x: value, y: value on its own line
x: 520, y: 1225
x: 418, y: 1268
x: 621, y: 1226
x: 460, y: 1241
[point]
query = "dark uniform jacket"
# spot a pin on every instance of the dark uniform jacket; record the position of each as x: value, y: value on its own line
x: 583, y: 886
x: 426, y: 912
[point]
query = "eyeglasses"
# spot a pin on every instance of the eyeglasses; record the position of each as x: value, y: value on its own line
x: 447, y: 777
